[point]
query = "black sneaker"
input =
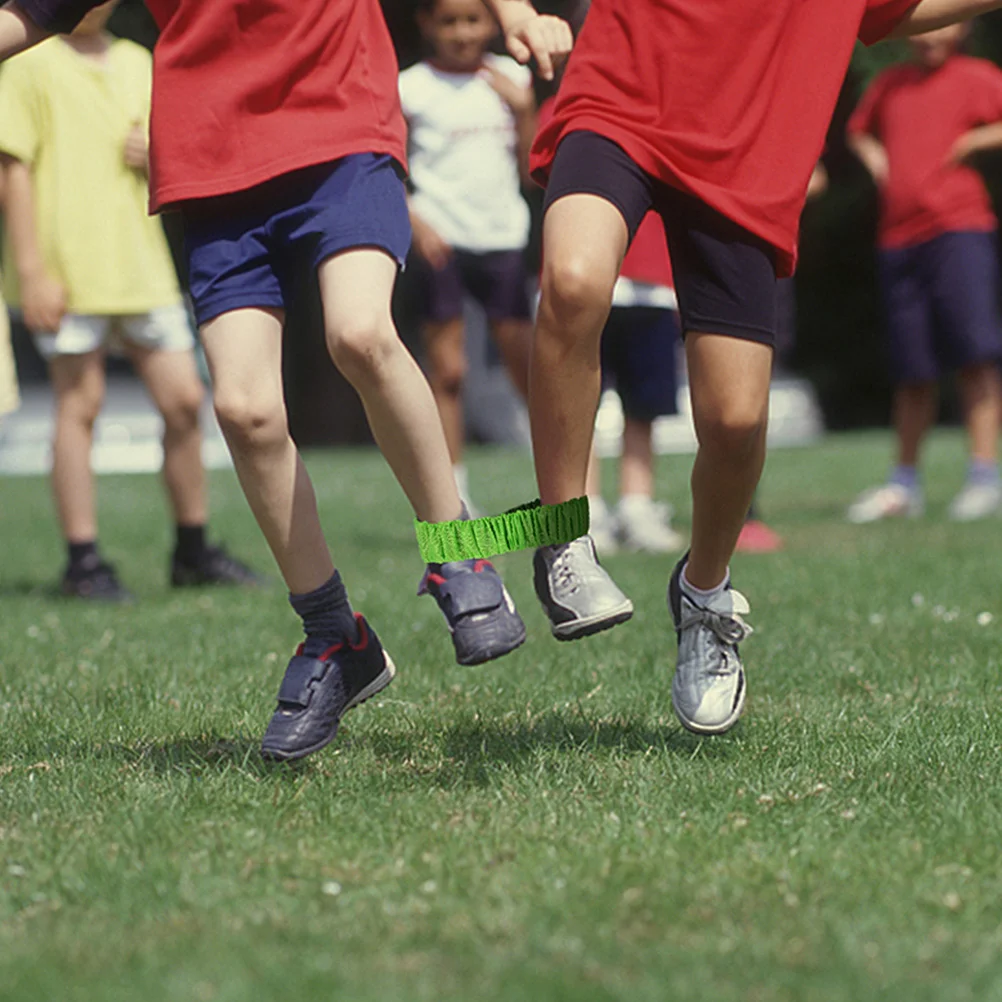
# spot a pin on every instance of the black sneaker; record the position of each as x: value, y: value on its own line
x: 317, y: 692
x: 214, y: 567
x: 482, y: 617
x: 94, y: 580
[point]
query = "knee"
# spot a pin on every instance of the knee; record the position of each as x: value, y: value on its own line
x: 181, y: 415
x: 250, y: 422
x: 448, y: 374
x: 80, y: 409
x: 733, y: 431
x: 363, y: 347
x: 576, y: 286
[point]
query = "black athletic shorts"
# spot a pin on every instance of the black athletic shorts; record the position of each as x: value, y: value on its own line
x: 725, y: 277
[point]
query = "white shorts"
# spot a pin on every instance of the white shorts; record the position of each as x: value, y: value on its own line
x: 166, y: 328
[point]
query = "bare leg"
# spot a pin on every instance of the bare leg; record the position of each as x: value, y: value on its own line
x: 914, y: 412
x: 585, y: 238
x: 514, y: 341
x: 445, y: 354
x: 636, y: 468
x: 78, y: 382
x: 244, y: 350
x: 171, y: 378
x: 729, y: 382
x: 981, y: 391
x: 356, y: 287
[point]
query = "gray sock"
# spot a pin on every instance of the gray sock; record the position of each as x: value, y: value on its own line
x: 327, y: 616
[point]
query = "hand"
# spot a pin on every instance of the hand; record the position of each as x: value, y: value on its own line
x: 963, y: 149
x: 521, y: 100
x: 137, y: 150
x: 43, y: 303
x: 879, y: 166
x: 429, y: 244
x: 542, y: 37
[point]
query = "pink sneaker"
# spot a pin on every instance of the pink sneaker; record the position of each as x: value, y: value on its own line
x: 757, y: 537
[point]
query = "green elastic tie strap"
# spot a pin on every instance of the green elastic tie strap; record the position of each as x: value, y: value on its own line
x: 522, y: 528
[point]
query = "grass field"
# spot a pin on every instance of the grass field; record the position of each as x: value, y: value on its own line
x: 539, y: 828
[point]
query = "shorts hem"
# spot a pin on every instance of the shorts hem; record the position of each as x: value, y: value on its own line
x: 743, y: 332
x: 598, y: 192
x: 213, y: 307
x: 340, y: 244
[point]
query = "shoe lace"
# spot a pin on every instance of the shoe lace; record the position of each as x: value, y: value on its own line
x: 564, y: 575
x: 730, y: 630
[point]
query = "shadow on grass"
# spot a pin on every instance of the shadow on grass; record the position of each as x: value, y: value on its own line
x: 29, y: 589
x: 471, y: 751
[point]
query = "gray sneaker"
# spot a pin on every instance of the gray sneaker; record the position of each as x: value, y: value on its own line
x: 708, y: 690
x: 578, y: 595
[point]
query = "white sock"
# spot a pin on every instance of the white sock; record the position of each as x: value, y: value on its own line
x: 699, y: 594
x: 462, y: 479
x: 597, y: 506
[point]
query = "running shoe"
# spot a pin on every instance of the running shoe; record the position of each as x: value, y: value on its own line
x: 482, y: 618
x: 645, y: 526
x: 886, y: 501
x: 214, y: 567
x: 577, y: 594
x: 316, y: 692
x: 708, y: 690
x: 976, y: 501
x: 95, y: 580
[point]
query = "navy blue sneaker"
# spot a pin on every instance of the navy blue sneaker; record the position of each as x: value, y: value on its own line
x: 215, y: 566
x: 317, y: 692
x: 482, y: 618
x: 94, y: 580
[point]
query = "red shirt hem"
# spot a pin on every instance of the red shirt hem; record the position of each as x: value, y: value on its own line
x: 549, y: 138
x: 920, y: 233
x: 165, y: 196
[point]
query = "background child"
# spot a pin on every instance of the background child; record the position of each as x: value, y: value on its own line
x: 916, y: 130
x: 90, y: 269
x: 638, y: 358
x: 471, y: 118
x: 9, y: 399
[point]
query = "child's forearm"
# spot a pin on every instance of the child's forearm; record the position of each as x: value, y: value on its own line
x: 984, y: 138
x: 525, y: 124
x: 509, y: 12
x: 17, y: 31
x: 20, y: 221
x: 927, y: 15
x: 871, y: 152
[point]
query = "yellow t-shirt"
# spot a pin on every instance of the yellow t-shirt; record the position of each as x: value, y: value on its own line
x: 67, y: 117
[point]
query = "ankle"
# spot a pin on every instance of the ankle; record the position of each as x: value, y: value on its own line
x: 83, y: 556
x: 702, y: 594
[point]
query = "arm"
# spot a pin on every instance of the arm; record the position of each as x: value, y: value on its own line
x: 818, y: 183
x: 530, y: 35
x: 427, y: 242
x: 522, y: 103
x: 871, y: 151
x: 43, y: 299
x: 927, y: 15
x: 978, y: 140
x: 17, y: 31
x: 24, y: 23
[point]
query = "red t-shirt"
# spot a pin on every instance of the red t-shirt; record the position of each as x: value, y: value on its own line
x: 244, y: 92
x: 727, y: 100
x: 918, y: 115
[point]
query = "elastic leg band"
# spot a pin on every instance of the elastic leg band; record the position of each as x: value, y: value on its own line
x: 523, y: 528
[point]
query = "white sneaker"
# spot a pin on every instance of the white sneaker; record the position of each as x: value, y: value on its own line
x: 645, y: 525
x: 976, y: 501
x: 886, y: 501
x: 603, y: 526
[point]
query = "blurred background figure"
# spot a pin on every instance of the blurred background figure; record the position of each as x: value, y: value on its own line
x: 8, y: 376
x: 471, y: 117
x: 90, y: 270
x: 917, y: 130
x: 639, y: 346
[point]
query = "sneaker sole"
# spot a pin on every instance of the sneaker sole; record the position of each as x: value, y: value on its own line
x: 709, y: 730
x: 578, y: 628
x: 482, y: 657
x: 376, y: 686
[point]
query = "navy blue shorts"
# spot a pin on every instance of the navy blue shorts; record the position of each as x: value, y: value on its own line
x: 638, y: 360
x: 244, y: 249
x: 725, y: 277
x: 495, y: 279
x: 942, y: 306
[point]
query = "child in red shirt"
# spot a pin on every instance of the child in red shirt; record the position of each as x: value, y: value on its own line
x: 713, y: 114
x: 916, y: 130
x: 276, y: 132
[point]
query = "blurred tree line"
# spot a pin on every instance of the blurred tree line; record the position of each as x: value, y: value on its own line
x: 839, y: 340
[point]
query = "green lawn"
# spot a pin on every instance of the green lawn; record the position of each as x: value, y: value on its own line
x: 539, y: 828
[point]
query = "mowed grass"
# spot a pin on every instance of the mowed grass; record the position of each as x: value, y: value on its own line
x: 539, y: 828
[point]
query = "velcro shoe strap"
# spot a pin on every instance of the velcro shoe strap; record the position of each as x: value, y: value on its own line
x: 472, y: 593
x: 295, y: 688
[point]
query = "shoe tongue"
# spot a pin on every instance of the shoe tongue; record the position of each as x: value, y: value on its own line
x: 728, y: 603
